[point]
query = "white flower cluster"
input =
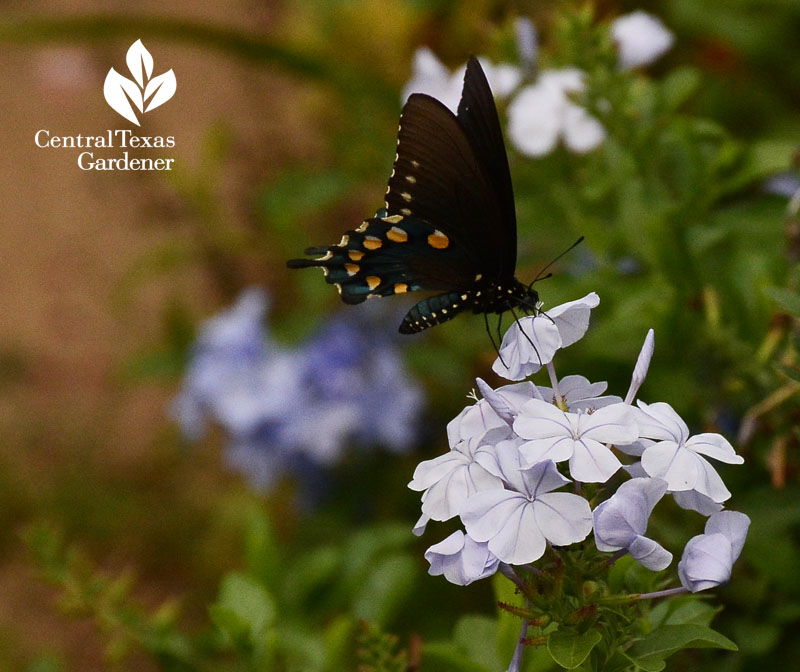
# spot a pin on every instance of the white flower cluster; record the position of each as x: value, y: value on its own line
x: 542, y: 113
x: 512, y: 450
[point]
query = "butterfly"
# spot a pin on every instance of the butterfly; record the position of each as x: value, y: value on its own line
x: 449, y: 222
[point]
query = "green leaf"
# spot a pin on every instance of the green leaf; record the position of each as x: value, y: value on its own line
x: 473, y: 633
x: 385, y: 589
x: 447, y: 657
x: 682, y: 611
x: 678, y: 85
x: 569, y: 648
x: 648, y: 665
x: 785, y: 298
x: 244, y: 609
x: 338, y: 640
x: 261, y: 550
x: 650, y: 652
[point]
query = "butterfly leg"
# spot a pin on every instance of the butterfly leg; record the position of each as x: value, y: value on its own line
x: 533, y: 345
x: 491, y: 338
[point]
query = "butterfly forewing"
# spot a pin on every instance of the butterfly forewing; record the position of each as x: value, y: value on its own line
x: 477, y: 116
x: 437, y: 177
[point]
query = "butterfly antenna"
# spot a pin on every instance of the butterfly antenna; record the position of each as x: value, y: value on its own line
x: 541, y: 274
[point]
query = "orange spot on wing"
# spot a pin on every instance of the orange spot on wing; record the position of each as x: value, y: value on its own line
x: 372, y: 243
x: 397, y: 235
x: 438, y: 240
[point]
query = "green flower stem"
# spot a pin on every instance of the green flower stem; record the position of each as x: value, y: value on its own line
x: 635, y: 597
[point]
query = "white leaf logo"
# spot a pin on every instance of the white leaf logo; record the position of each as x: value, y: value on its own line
x: 143, y: 92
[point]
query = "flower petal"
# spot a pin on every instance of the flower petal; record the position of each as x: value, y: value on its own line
x: 610, y: 424
x: 538, y: 419
x: 660, y: 421
x: 650, y: 554
x: 641, y: 38
x: 534, y: 120
x: 592, y: 462
x: 473, y: 421
x: 461, y: 559
x: 527, y: 346
x: 572, y: 318
x: 555, y: 449
x: 507, y: 400
x: 642, y: 365
x: 733, y: 525
x: 582, y: 132
x: 677, y: 466
x: 542, y: 478
x: 562, y: 517
x: 506, y: 520
x: 716, y: 446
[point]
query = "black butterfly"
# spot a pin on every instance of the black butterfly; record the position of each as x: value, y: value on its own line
x: 449, y: 223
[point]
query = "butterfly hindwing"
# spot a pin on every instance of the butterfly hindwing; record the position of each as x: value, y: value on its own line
x: 390, y: 254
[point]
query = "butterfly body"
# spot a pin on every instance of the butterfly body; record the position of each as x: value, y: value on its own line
x: 448, y: 224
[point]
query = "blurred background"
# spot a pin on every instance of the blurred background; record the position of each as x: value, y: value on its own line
x: 141, y: 506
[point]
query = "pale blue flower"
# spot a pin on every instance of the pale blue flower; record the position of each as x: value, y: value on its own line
x: 295, y: 409
x: 448, y: 480
x: 708, y: 558
x: 543, y: 113
x: 641, y: 38
x: 621, y: 521
x: 678, y: 458
x: 579, y: 394
x: 531, y: 342
x: 518, y: 520
x: 581, y: 438
x: 461, y: 559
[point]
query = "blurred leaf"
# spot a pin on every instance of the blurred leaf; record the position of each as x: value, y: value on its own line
x: 786, y: 299
x: 678, y: 86
x: 385, y: 589
x: 300, y: 193
x: 338, y: 639
x: 262, y: 551
x: 473, y: 635
x: 448, y: 657
x: 244, y: 609
x: 310, y: 575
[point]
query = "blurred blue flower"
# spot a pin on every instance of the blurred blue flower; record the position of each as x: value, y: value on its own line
x: 295, y: 409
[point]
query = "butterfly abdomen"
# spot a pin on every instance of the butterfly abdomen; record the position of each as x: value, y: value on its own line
x: 432, y: 311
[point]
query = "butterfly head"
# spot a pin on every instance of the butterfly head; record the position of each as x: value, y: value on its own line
x: 502, y: 296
